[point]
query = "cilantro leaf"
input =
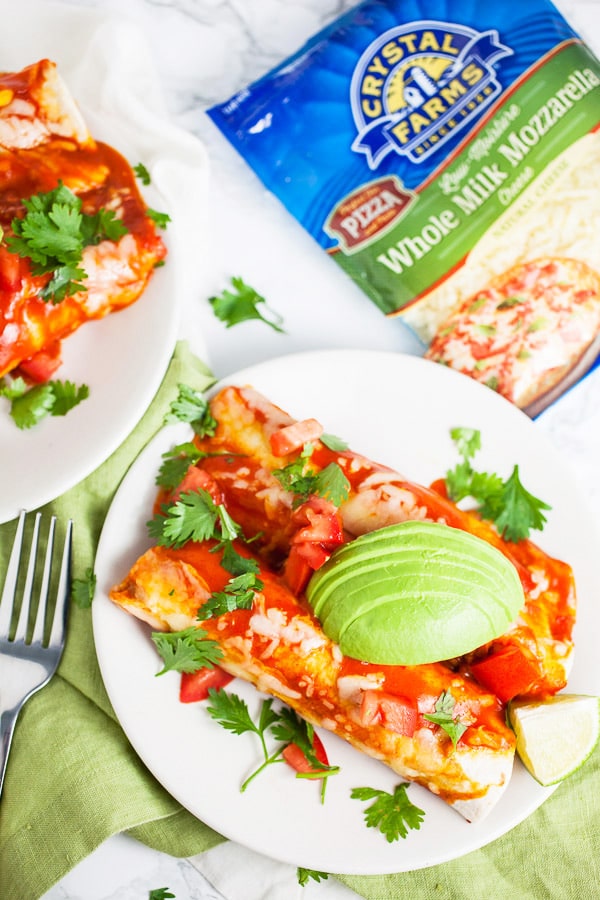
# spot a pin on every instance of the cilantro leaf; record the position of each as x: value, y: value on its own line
x: 32, y: 406
x: 304, y: 875
x: 332, y: 484
x: 102, y: 226
x: 83, y: 589
x: 513, y: 510
x: 467, y: 440
x: 393, y: 814
x: 160, y: 219
x: 176, y: 463
x: 65, y: 281
x: 444, y: 717
x: 160, y: 894
x: 236, y: 564
x: 67, y: 395
x: 231, y: 711
x: 238, y: 594
x: 53, y: 234
x: 142, y: 173
x: 28, y: 406
x: 186, y: 650
x: 190, y: 406
x: 192, y: 518
x: 291, y: 729
x: 333, y: 442
x: 517, y: 511
x: 241, y: 305
x: 300, y: 479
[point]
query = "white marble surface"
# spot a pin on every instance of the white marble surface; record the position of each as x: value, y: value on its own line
x: 204, y: 50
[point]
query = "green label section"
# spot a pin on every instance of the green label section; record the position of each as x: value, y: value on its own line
x: 553, y: 108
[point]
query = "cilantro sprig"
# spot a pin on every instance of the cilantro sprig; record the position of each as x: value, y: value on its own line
x: 160, y: 894
x: 232, y: 713
x: 514, y: 511
x: 29, y: 405
x: 393, y: 814
x: 242, y: 304
x: 298, y: 478
x: 83, y: 589
x: 53, y: 234
x: 193, y: 517
x: 444, y: 716
x: 186, y: 650
x: 160, y: 219
x: 176, y: 462
x: 238, y: 594
x: 304, y: 875
x: 142, y: 173
x: 192, y: 407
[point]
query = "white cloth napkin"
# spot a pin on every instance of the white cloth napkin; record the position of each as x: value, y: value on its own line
x: 241, y: 874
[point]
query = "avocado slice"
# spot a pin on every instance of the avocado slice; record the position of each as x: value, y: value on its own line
x: 415, y: 592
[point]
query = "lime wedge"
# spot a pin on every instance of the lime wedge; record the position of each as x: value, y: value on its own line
x: 556, y: 736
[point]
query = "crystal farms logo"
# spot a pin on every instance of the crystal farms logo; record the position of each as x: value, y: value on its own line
x: 416, y: 85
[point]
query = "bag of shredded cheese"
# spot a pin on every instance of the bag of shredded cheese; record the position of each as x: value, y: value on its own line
x: 447, y: 156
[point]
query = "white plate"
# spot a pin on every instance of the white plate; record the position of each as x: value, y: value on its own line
x: 398, y: 410
x: 107, y: 68
x: 122, y: 358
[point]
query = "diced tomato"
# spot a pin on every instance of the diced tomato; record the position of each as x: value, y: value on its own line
x: 319, y: 533
x: 370, y: 713
x: 295, y: 757
x: 297, y: 571
x: 396, y: 713
x: 320, y: 520
x: 507, y: 672
x: 194, y: 686
x: 41, y: 367
x: 197, y: 479
x: 293, y: 437
x: 10, y: 270
x: 440, y: 487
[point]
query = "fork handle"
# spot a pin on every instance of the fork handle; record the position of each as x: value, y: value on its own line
x: 7, y: 727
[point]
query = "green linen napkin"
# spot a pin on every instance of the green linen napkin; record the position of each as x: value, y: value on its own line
x: 72, y: 778
x: 552, y: 855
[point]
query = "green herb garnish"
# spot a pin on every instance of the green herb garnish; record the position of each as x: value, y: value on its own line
x: 231, y: 711
x: 238, y: 594
x: 83, y: 589
x: 241, y: 305
x: 29, y: 405
x: 190, y: 406
x: 187, y: 650
x: 53, y: 234
x: 160, y: 219
x: 445, y: 718
x: 193, y: 517
x: 393, y: 814
x: 304, y: 875
x: 513, y: 510
x: 298, y: 478
x: 160, y: 894
x: 142, y: 173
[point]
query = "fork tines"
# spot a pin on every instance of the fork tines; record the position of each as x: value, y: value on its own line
x: 23, y: 581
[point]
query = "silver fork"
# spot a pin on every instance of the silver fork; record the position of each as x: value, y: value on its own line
x: 27, y: 664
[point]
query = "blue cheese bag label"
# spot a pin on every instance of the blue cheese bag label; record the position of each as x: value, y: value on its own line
x: 447, y: 157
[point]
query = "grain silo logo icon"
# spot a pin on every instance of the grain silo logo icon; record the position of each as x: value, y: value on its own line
x: 418, y: 84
